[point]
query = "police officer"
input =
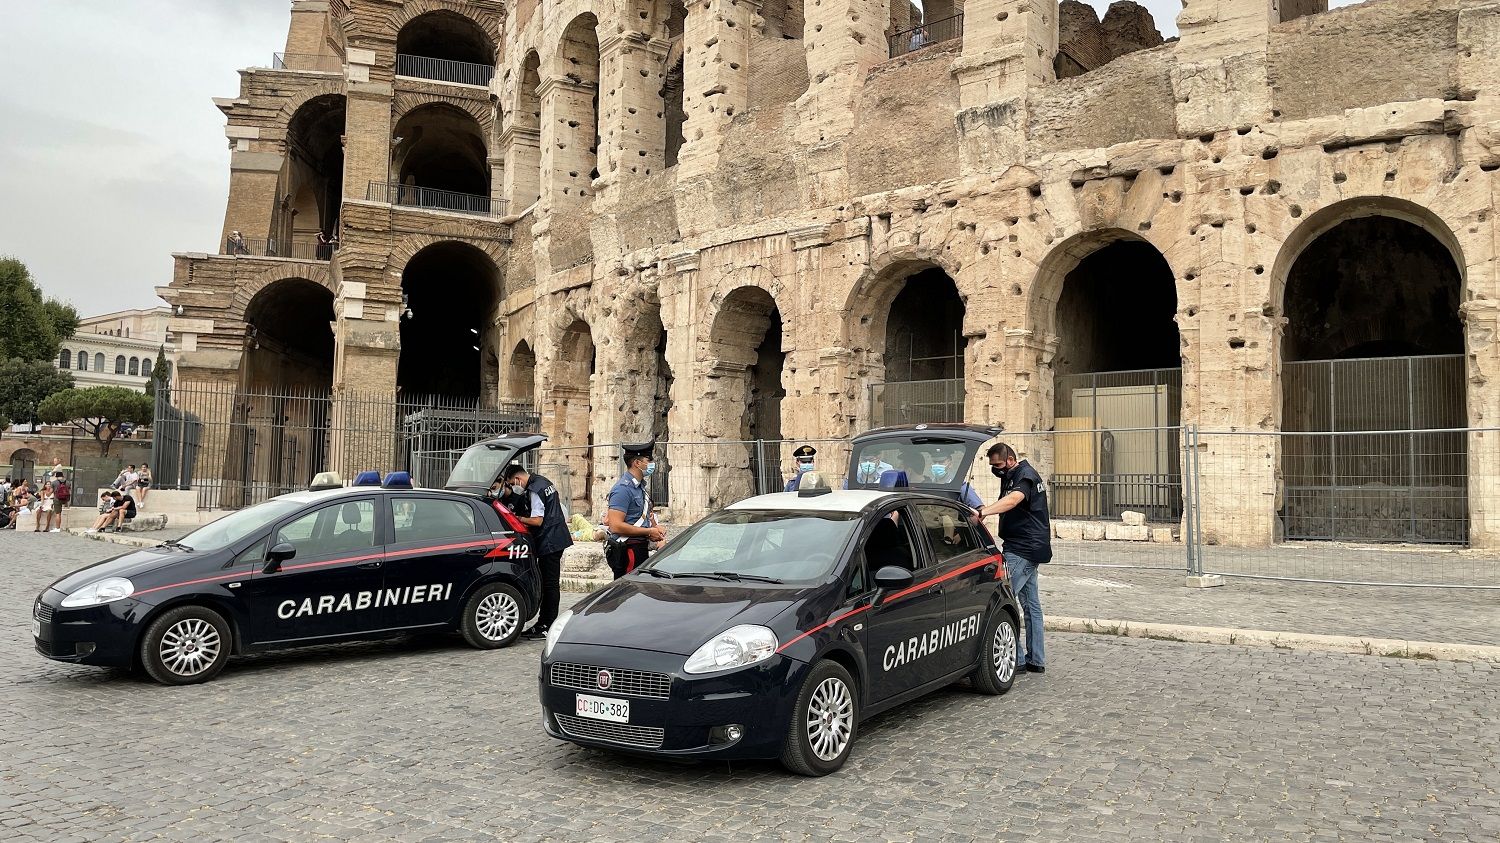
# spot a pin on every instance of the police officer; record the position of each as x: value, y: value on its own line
x: 511, y: 491
x: 1026, y: 530
x: 804, y: 457
x: 550, y: 537
x: 942, y: 471
x: 630, y: 524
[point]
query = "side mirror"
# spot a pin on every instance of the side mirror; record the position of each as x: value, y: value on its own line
x: 893, y: 578
x: 278, y: 554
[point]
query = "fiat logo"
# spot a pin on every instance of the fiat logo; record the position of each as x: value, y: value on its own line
x: 604, y: 680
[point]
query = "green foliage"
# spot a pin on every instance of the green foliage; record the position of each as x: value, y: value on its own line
x: 98, y: 411
x: 23, y: 385
x: 160, y: 381
x: 31, y: 327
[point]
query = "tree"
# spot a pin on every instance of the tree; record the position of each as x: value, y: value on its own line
x: 160, y: 382
x: 23, y: 385
x: 31, y: 327
x: 98, y: 411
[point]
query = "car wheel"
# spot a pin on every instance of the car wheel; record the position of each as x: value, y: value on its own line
x: 185, y: 645
x: 823, y: 722
x: 492, y: 617
x: 996, y: 671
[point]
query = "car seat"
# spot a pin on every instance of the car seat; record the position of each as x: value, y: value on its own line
x: 352, y: 536
x: 888, y: 545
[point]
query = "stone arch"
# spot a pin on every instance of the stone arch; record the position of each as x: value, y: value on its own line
x: 288, y: 335
x: 405, y: 102
x: 444, y: 147
x: 449, y: 291
x: 311, y: 185
x: 407, y: 248
x: 302, y: 97
x: 522, y: 372
x: 869, y: 301
x: 447, y: 31
x: 249, y: 287
x: 570, y: 90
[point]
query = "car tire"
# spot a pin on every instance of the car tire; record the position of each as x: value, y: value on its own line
x: 492, y: 617
x: 824, y: 721
x: 996, y: 671
x: 185, y: 646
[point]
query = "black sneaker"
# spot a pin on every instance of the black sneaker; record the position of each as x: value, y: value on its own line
x: 536, y: 633
x: 1035, y: 668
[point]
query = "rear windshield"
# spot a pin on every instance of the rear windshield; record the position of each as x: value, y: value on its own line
x: 480, y: 465
x: 926, y: 461
x: 783, y: 545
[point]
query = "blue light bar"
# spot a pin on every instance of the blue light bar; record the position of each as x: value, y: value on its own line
x: 398, y: 480
x: 367, y: 478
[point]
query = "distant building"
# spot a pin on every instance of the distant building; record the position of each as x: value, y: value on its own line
x: 117, y: 349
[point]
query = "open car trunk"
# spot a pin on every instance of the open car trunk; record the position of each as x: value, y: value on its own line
x: 482, y: 464
x: 932, y: 458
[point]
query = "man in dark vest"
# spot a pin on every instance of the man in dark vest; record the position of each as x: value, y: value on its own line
x: 549, y: 538
x: 1026, y: 531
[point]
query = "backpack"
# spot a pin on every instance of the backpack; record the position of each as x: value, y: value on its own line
x: 62, y: 492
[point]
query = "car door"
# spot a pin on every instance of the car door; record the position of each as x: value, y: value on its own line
x: 898, y: 630
x: 436, y: 553
x: 332, y: 586
x: 968, y: 573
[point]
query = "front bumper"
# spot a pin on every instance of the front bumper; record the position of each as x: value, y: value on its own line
x: 97, y: 635
x: 690, y: 720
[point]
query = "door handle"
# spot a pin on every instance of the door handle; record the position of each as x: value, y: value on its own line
x: 369, y: 565
x: 477, y: 551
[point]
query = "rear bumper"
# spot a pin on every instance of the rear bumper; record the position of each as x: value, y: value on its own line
x: 691, y: 722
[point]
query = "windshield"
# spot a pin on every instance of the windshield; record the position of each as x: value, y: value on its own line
x: 480, y: 465
x: 926, y: 460
x: 237, y: 525
x: 780, y: 545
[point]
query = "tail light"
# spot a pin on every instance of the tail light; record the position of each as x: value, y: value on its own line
x: 511, y: 521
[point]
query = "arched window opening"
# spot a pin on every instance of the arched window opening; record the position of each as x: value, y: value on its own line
x: 784, y: 18
x: 65, y: 359
x: 521, y: 376
x: 312, y: 182
x: 572, y: 404
x: 288, y: 337
x: 439, y: 160
x: 674, y: 109
x: 447, y: 47
x: 119, y: 364
x: 146, y: 367
x: 1117, y: 386
x: 83, y: 361
x: 135, y: 366
x: 450, y: 290
x: 924, y: 352
x: 746, y: 345
x: 1374, y: 342
x: 579, y: 112
x: 98, y: 361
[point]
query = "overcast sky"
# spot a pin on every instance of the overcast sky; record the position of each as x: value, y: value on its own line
x: 112, y: 155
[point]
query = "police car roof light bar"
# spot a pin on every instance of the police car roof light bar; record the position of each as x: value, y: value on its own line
x: 893, y: 479
x: 367, y: 478
x: 326, y: 480
x: 397, y: 480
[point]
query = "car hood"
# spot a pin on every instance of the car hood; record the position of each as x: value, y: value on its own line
x: 127, y: 565
x: 673, y: 617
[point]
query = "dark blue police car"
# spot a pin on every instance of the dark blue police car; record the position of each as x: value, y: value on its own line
x: 772, y: 628
x: 328, y: 565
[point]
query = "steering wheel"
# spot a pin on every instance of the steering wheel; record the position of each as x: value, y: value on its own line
x: 819, y: 556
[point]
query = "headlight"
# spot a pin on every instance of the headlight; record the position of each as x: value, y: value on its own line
x: 104, y: 591
x: 554, y: 632
x: 734, y: 647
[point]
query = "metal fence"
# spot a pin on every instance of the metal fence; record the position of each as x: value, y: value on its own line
x: 926, y: 34
x: 411, y: 196
x: 916, y: 402
x: 307, y: 61
x: 299, y: 247
x: 239, y: 446
x: 444, y: 70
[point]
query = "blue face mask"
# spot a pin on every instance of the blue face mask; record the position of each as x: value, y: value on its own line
x: 650, y: 468
x: 866, y: 469
x: 804, y: 467
x: 939, y: 472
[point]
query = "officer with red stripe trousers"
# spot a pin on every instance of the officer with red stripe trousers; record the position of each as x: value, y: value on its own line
x: 629, y: 521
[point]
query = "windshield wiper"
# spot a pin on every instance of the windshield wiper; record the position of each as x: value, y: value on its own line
x: 666, y: 575
x: 730, y: 576
x: 175, y: 543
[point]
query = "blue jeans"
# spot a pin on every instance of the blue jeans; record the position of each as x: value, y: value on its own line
x: 1022, y: 573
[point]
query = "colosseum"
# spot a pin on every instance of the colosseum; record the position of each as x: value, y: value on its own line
x: 727, y: 221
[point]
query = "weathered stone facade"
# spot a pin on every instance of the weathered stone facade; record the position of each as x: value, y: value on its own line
x: 817, y: 175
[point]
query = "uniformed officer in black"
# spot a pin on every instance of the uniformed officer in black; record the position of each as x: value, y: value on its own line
x: 629, y: 522
x: 804, y: 457
x: 1026, y: 530
x: 550, y: 537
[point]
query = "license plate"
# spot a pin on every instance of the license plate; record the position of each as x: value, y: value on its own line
x: 36, y: 628
x: 604, y: 708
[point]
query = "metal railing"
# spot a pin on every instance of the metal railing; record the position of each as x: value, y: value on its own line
x: 412, y: 196
x: 926, y: 34
x: 300, y: 248
x: 444, y: 70
x: 914, y: 402
x: 307, y: 61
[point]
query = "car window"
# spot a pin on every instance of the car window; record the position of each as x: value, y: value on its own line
x: 948, y: 532
x: 420, y: 519
x: 925, y: 460
x: 254, y: 553
x: 337, y: 528
x: 889, y: 543
x: 238, y: 525
x: 786, y: 545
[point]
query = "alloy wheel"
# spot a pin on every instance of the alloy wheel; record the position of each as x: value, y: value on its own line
x: 830, y: 719
x: 189, y: 647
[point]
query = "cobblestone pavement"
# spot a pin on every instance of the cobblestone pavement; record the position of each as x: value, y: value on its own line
x: 1122, y: 739
x: 1457, y: 616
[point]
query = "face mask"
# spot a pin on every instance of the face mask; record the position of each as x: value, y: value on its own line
x: 866, y: 468
x: 939, y: 472
x: 520, y: 490
x: 804, y: 467
x: 999, y: 471
x: 650, y: 468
